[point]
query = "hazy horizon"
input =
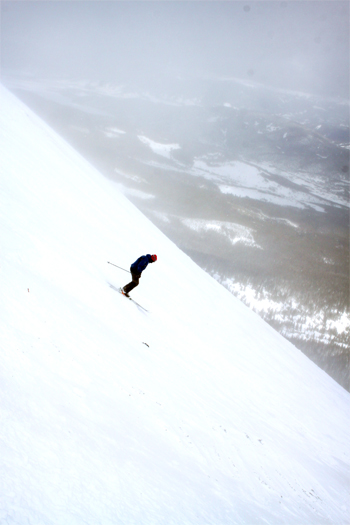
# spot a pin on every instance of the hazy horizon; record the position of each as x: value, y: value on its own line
x: 302, y: 46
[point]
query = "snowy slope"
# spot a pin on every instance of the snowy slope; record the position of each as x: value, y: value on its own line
x: 195, y: 412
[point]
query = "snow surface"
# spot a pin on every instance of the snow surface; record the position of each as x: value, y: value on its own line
x: 196, y: 412
x: 112, y: 132
x: 235, y: 233
x: 246, y: 181
x: 160, y: 149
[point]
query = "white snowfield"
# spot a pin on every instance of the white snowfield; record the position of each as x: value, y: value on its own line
x: 195, y: 412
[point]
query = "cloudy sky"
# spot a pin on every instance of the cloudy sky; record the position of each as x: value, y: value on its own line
x: 298, y: 45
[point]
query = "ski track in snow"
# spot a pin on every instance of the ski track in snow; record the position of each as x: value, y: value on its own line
x: 196, y: 412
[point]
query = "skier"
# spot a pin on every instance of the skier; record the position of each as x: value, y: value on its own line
x: 136, y: 269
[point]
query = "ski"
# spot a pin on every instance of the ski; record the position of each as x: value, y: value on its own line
x: 133, y: 300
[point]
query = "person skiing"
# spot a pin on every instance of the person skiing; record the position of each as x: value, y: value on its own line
x: 136, y: 270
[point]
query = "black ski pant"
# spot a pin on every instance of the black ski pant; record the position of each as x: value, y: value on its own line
x: 135, y: 282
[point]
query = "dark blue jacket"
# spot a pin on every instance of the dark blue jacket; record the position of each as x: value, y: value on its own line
x: 142, y: 262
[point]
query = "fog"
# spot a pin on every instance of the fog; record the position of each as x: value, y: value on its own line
x: 302, y: 46
x: 197, y: 110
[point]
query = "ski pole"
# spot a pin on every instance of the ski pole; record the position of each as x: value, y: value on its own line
x: 118, y: 267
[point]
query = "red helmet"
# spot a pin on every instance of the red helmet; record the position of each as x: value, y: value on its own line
x: 154, y: 258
